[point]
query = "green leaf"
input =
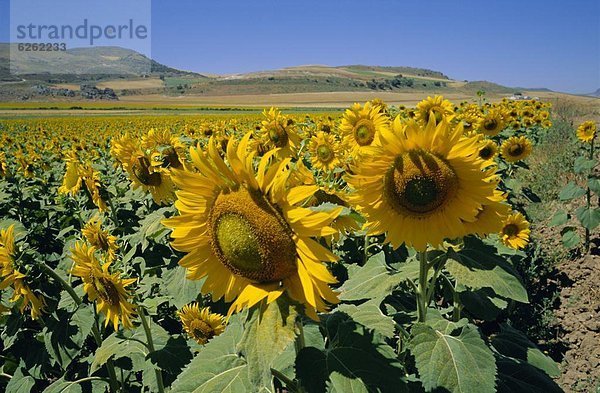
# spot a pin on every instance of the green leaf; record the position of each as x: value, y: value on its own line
x: 482, y: 303
x: 181, y: 290
x: 560, y: 218
x: 117, y: 347
x: 19, y: 383
x: 588, y: 217
x: 268, y: 332
x: 369, y: 315
x: 476, y: 266
x: 63, y: 386
x: 570, y: 238
x: 571, y: 191
x: 339, y: 383
x: 65, y: 334
x: 353, y: 351
x: 583, y: 164
x: 518, y: 376
x: 217, y: 367
x: 371, y: 281
x: 594, y: 185
x: 511, y: 342
x: 460, y: 363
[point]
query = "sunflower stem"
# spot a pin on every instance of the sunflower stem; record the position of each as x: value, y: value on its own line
x: 588, y: 197
x: 422, y: 288
x: 299, y: 343
x: 150, y: 345
x: 113, y: 212
x: 110, y: 367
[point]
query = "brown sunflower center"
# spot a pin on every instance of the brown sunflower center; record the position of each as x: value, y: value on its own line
x: 516, y: 150
x: 420, y: 182
x: 251, y: 237
x: 510, y: 230
x: 486, y: 152
x: 141, y: 171
x: 201, y: 331
x: 102, y: 239
x: 171, y: 158
x: 325, y: 153
x: 364, y: 132
x: 106, y: 290
x: 490, y: 124
x: 278, y: 136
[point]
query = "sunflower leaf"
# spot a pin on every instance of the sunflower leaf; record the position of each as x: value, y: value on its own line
x: 518, y: 376
x: 511, y: 342
x: 571, y: 191
x: 369, y: 315
x: 217, y: 368
x: 476, y: 266
x: 588, y: 217
x: 268, y: 332
x: 570, y: 238
x: 372, y: 281
x: 458, y: 363
x: 339, y: 383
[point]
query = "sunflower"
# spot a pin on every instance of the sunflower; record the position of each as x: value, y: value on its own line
x: 488, y: 150
x: 586, y: 131
x: 516, y: 148
x: 201, y: 324
x: 243, y: 230
x: 436, y: 107
x: 10, y: 276
x: 100, y: 238
x: 277, y: 132
x: 515, y: 231
x: 490, y: 217
x: 106, y: 289
x: 91, y: 179
x: 4, y: 170
x: 165, y: 149
x: 71, y: 183
x: 493, y: 122
x: 425, y: 183
x: 361, y: 126
x: 138, y: 165
x: 324, y: 151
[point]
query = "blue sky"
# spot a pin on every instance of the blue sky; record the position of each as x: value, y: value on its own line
x: 550, y: 43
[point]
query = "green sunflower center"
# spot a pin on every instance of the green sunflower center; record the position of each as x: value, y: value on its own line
x: 325, y: 153
x: 364, y: 132
x: 251, y: 237
x: 510, y: 230
x: 201, y: 331
x: 437, y: 115
x: 141, y: 171
x: 107, y: 291
x: 419, y: 183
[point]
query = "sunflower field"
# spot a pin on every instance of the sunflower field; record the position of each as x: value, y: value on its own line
x: 373, y: 250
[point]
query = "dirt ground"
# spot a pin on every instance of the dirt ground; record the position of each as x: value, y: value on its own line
x: 579, y: 317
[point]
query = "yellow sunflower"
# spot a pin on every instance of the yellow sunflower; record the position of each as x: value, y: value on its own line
x: 423, y: 185
x: 493, y: 122
x: 201, y: 324
x: 164, y: 148
x: 586, y: 131
x: 100, y: 238
x: 361, y: 127
x: 138, y: 165
x: 436, y: 107
x: 516, y: 148
x: 277, y: 132
x: 491, y: 216
x: 515, y: 231
x: 71, y: 183
x: 106, y: 289
x: 91, y: 179
x: 324, y: 151
x: 243, y: 230
x: 10, y: 276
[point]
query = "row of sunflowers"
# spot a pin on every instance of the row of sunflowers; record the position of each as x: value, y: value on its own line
x: 218, y: 253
